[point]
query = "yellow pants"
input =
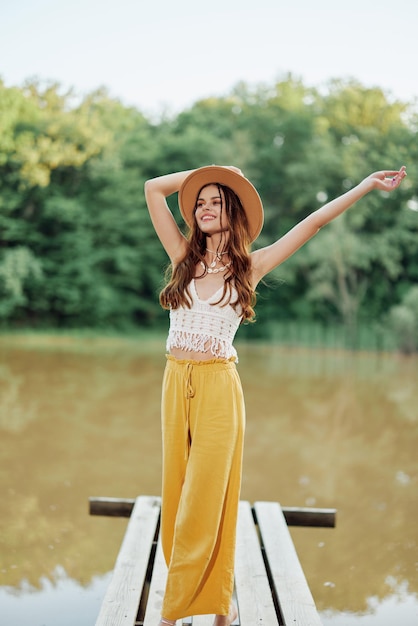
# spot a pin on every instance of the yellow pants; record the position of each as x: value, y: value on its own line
x: 203, y: 422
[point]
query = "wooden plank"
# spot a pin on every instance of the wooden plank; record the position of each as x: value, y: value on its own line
x: 112, y: 507
x: 120, y: 605
x: 255, y: 602
x: 295, y: 516
x: 157, y: 588
x: 288, y: 580
x: 306, y: 516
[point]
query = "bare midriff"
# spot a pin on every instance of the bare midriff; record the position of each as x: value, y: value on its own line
x: 190, y: 355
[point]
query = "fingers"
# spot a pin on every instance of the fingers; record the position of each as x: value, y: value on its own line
x: 391, y: 178
x: 392, y: 173
x: 399, y: 176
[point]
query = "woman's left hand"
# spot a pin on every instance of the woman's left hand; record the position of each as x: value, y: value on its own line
x: 387, y: 180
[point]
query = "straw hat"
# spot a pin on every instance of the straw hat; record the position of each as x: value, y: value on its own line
x: 213, y: 174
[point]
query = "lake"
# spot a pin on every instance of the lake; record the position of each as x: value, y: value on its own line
x: 79, y: 417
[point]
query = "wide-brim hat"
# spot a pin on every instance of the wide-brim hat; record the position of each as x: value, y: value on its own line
x: 213, y: 174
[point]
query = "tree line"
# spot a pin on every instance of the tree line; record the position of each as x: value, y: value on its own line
x: 77, y: 248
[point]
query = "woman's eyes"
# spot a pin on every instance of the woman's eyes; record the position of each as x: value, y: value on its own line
x: 213, y: 203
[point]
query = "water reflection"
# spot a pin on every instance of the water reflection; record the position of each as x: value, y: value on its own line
x: 81, y: 418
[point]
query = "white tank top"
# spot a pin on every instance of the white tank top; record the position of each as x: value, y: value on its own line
x: 205, y: 326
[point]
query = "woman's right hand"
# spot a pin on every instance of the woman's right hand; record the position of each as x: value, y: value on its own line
x: 234, y: 169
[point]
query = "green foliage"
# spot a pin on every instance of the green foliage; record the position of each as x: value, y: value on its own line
x: 18, y: 267
x: 77, y: 248
x: 404, y: 321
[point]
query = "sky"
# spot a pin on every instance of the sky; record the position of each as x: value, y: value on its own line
x: 164, y: 55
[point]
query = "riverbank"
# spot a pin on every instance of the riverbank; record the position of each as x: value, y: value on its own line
x: 365, y: 337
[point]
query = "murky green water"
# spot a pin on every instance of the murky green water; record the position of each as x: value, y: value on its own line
x: 81, y: 418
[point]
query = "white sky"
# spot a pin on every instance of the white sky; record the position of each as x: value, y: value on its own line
x: 166, y: 54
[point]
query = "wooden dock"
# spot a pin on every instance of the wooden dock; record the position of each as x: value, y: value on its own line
x: 270, y: 586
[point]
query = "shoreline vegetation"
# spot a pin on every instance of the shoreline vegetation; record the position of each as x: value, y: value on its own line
x: 310, y: 335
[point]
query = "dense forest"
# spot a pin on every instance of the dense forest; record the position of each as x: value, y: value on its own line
x: 77, y: 248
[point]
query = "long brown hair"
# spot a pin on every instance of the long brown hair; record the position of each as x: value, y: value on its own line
x: 176, y: 292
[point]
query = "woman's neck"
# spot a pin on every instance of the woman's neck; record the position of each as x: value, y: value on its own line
x: 217, y: 243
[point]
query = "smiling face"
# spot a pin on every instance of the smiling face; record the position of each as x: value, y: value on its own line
x: 209, y: 213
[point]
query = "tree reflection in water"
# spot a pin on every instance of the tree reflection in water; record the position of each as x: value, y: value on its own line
x: 324, y: 428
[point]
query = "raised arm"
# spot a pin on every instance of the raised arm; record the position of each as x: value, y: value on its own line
x: 156, y: 192
x: 266, y: 259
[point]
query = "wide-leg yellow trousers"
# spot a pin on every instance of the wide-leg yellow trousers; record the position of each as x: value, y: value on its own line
x: 203, y: 422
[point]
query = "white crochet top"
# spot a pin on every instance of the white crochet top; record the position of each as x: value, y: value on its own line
x: 205, y: 326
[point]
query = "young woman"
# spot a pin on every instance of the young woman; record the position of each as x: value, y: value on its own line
x: 210, y: 292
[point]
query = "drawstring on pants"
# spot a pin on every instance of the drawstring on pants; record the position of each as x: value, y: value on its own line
x: 189, y: 393
x: 188, y: 380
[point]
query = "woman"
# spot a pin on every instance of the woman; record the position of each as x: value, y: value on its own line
x: 210, y: 292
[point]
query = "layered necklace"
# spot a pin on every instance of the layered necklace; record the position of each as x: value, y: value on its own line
x: 217, y: 258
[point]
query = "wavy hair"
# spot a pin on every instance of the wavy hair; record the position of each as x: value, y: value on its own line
x: 176, y: 291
